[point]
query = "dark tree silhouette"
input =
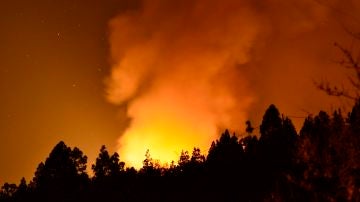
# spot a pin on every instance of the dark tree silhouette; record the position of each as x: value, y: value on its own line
x: 249, y: 129
x: 106, y: 165
x: 7, y: 192
x: 151, y: 167
x: 276, y: 151
x: 62, y: 176
x: 271, y: 124
x: 197, y: 157
x: 109, y: 173
x: 329, y: 156
x: 184, y: 158
x: 322, y: 163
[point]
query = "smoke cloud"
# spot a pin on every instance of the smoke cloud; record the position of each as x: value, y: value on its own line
x: 186, y: 70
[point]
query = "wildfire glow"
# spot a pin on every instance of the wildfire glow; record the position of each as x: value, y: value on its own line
x: 175, y: 117
x: 183, y: 69
x: 169, y: 130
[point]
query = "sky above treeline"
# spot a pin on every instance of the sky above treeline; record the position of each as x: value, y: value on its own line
x: 160, y: 75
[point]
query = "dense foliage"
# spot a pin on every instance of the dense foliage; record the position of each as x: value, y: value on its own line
x: 321, y: 163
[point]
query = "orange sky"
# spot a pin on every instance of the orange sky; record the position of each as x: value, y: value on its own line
x: 188, y: 69
x: 54, y: 58
x: 108, y: 72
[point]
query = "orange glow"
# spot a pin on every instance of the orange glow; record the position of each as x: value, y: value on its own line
x: 195, y: 66
x: 180, y: 85
x: 169, y: 131
x: 187, y: 69
x: 167, y: 122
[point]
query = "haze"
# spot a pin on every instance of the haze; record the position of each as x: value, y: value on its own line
x: 159, y: 75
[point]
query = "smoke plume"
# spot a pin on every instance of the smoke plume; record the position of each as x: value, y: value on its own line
x: 186, y: 70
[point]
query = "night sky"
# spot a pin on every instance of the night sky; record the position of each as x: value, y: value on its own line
x: 158, y: 74
x: 54, y: 59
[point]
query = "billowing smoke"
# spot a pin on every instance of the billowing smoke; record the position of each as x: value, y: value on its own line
x: 187, y: 69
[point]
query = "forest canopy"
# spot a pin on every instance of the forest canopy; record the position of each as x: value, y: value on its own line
x: 320, y: 163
